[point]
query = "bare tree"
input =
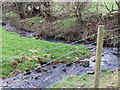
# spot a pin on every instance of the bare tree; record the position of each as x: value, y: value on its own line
x: 79, y: 7
x: 19, y: 9
x: 31, y: 9
x: 110, y: 10
x: 118, y: 4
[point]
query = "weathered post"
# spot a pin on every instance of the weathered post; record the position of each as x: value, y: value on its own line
x: 119, y: 46
x: 100, y: 36
x: 119, y: 65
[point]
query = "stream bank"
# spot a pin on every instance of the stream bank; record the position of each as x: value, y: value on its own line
x: 53, y: 73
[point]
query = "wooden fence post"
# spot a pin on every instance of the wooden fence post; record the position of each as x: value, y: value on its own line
x: 100, y: 37
x: 119, y: 48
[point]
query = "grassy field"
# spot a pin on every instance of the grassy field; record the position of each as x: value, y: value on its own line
x: 13, y: 44
x: 107, y: 80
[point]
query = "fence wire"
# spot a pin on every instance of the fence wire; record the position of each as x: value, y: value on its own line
x: 61, y: 56
x: 57, y: 47
x: 74, y: 81
x: 49, y: 49
x: 67, y: 54
x: 113, y: 29
x: 78, y: 49
x: 96, y: 72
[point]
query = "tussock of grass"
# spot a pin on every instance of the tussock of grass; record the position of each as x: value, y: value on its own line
x: 108, y: 79
x: 13, y: 44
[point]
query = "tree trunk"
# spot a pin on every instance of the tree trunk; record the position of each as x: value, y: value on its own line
x: 119, y: 13
x: 118, y: 46
x: 79, y: 7
x: 19, y: 7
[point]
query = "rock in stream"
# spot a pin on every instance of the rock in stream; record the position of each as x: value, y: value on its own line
x: 55, y: 72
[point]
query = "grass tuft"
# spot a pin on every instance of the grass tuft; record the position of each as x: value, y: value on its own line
x: 108, y: 79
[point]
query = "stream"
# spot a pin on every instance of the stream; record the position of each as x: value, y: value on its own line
x: 52, y: 73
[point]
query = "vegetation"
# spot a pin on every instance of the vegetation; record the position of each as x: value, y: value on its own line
x: 103, y: 7
x: 13, y: 45
x: 33, y: 20
x: 66, y: 21
x: 86, y: 81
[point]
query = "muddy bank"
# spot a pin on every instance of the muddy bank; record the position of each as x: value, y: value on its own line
x: 33, y: 34
x: 50, y: 74
x: 55, y: 31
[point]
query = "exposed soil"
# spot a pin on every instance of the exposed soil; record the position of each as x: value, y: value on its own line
x: 52, y: 31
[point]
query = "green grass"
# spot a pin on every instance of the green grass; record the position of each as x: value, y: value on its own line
x: 67, y: 23
x: 87, y: 81
x: 33, y: 20
x: 13, y: 44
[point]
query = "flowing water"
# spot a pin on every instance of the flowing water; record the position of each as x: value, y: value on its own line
x: 53, y: 73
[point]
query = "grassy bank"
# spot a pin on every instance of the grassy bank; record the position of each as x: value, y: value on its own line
x: 107, y: 80
x: 66, y: 26
x: 13, y: 44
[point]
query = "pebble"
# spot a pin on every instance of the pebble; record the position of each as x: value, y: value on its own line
x: 44, y: 69
x: 92, y: 72
x: 36, y: 78
x: 27, y: 73
x: 69, y: 64
x: 93, y: 58
x: 54, y: 75
x: 87, y: 65
x: 64, y: 70
x: 49, y: 71
x: 54, y: 66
